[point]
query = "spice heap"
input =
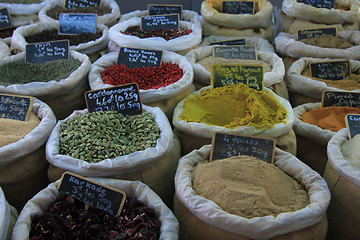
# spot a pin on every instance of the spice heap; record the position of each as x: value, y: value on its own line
x: 350, y: 82
x: 351, y: 151
x: 208, y: 61
x: 12, y: 130
x: 167, y: 34
x: 328, y: 41
x: 5, y: 33
x: 146, y: 78
x: 96, y: 136
x: 70, y: 219
x: 57, y: 10
x: 329, y: 118
x: 233, y: 106
x: 248, y: 187
x: 26, y: 72
x: 52, y: 35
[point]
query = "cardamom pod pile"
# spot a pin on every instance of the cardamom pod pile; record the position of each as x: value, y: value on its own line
x: 96, y: 136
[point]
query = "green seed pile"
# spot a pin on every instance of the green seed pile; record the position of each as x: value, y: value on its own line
x: 96, y: 136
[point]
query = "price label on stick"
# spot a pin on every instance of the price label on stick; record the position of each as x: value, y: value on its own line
x: 102, y: 197
x: 340, y: 99
x: 238, y: 7
x: 168, y: 21
x: 250, y: 75
x: 245, y: 52
x: 47, y: 51
x: 124, y: 99
x: 159, y: 9
x: 230, y: 145
x: 241, y: 41
x: 319, y: 3
x: 71, y: 4
x: 330, y: 70
x: 316, y: 33
x: 15, y: 107
x: 137, y: 57
x: 76, y: 23
x: 352, y: 124
x: 5, y: 20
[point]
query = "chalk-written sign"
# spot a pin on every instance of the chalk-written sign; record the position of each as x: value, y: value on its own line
x: 330, y: 70
x: 76, y: 23
x: 238, y: 7
x: 241, y: 41
x: 316, y: 33
x: 136, y: 57
x: 250, y: 75
x: 230, y: 145
x: 167, y: 21
x: 320, y: 3
x: 94, y: 194
x: 352, y: 124
x: 47, y: 51
x: 124, y: 99
x: 5, y: 20
x: 245, y: 52
x: 71, y: 4
x: 340, y: 99
x: 159, y: 9
x: 15, y: 107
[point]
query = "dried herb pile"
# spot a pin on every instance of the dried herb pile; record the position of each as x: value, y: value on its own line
x: 57, y: 10
x: 167, y: 34
x: 68, y: 219
x: 26, y: 72
x: 146, y: 78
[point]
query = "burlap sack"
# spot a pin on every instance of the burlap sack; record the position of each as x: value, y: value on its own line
x: 200, y: 218
x: 23, y: 165
x: 106, y: 19
x: 91, y: 47
x: 155, y: 166
x: 40, y: 203
x: 193, y: 135
x: 287, y: 45
x: 299, y: 10
x: 24, y: 9
x: 344, y: 184
x: 8, y: 216
x: 209, y: 29
x: 4, y: 49
x: 63, y: 96
x: 211, y: 12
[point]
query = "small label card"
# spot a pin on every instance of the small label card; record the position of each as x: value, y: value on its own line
x: 230, y: 145
x: 168, y: 21
x: 238, y: 7
x: 316, y: 33
x: 94, y: 194
x: 352, y: 124
x: 124, y: 99
x: 81, y: 3
x: 330, y: 70
x: 137, y: 57
x: 15, y: 107
x: 241, y: 41
x: 319, y: 3
x: 76, y: 23
x: 159, y: 9
x: 5, y: 20
x: 245, y: 52
x: 250, y: 75
x: 47, y: 51
x: 340, y: 99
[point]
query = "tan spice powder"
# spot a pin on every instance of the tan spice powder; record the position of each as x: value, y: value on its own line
x: 328, y: 41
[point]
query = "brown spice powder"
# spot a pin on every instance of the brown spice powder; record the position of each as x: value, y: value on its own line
x: 327, y: 41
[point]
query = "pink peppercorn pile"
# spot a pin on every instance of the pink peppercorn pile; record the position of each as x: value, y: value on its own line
x: 146, y: 78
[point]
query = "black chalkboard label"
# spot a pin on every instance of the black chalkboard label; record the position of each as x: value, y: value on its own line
x: 241, y: 41
x: 15, y: 107
x: 100, y: 196
x: 230, y: 145
x: 5, y: 20
x: 124, y: 99
x: 331, y: 70
x: 136, y: 57
x: 168, y: 21
x: 238, y: 7
x: 340, y: 99
x: 47, y: 51
x: 316, y: 33
x: 320, y: 3
x: 76, y: 23
x: 352, y: 124
x: 245, y: 52
x: 159, y: 9
x: 71, y: 4
x: 250, y: 75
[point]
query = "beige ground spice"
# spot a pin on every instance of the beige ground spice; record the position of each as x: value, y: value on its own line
x: 327, y: 41
x: 248, y: 187
x: 12, y: 130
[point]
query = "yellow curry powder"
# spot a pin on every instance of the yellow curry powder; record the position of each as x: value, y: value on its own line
x: 233, y: 106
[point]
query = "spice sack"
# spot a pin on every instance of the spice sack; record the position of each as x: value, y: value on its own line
x: 8, y: 217
x: 4, y: 49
